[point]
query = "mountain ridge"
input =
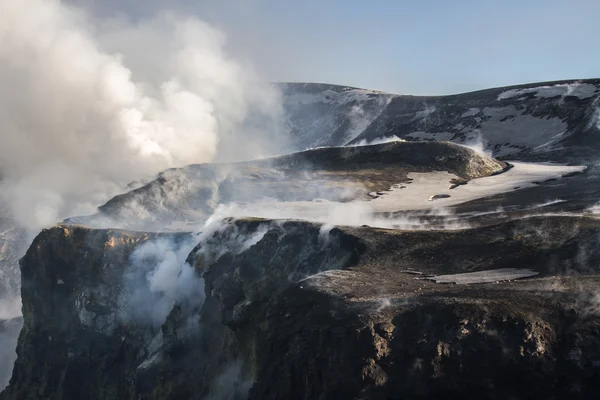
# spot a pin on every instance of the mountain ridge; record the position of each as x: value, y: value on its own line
x: 560, y: 113
x: 511, y: 86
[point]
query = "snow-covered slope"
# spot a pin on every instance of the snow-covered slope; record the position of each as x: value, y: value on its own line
x: 330, y: 115
x: 520, y: 121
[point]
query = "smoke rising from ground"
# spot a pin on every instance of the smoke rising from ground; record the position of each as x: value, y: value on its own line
x: 158, y: 278
x: 478, y: 144
x: 331, y: 213
x: 87, y: 106
x: 230, y: 384
x: 380, y: 140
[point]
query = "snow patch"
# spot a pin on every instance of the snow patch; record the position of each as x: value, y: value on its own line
x: 522, y: 131
x: 332, y: 97
x: 416, y: 195
x: 490, y: 276
x: 579, y: 90
x: 424, y: 114
x: 471, y: 112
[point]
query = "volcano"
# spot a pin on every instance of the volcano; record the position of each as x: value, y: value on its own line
x: 409, y: 247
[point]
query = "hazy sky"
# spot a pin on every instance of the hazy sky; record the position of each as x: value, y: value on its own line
x: 410, y: 46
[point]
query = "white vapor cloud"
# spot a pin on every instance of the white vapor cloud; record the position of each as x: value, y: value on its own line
x: 87, y: 105
x: 158, y: 278
x: 332, y: 213
x: 478, y: 144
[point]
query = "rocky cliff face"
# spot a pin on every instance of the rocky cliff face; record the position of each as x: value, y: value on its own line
x: 295, y: 310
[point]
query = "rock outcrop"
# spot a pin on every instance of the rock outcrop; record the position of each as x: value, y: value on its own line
x: 290, y: 309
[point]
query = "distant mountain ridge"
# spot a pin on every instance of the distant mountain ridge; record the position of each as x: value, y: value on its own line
x: 513, y: 121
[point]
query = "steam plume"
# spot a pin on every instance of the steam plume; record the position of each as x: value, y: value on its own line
x: 87, y: 106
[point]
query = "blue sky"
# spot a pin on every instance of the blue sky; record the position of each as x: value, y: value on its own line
x: 402, y: 46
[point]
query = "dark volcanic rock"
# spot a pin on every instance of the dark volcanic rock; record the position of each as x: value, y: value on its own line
x: 295, y: 311
x: 373, y: 331
x: 63, y: 274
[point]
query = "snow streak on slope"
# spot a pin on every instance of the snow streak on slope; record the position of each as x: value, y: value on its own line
x: 579, y: 90
x: 329, y: 115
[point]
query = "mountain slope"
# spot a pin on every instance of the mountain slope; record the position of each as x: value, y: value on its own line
x: 329, y: 115
x: 511, y: 121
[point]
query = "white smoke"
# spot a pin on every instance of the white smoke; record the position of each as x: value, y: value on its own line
x: 10, y: 308
x: 158, y: 278
x: 380, y: 140
x: 230, y: 384
x: 477, y: 143
x: 159, y: 275
x: 87, y: 106
x: 9, y: 333
x: 332, y: 213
